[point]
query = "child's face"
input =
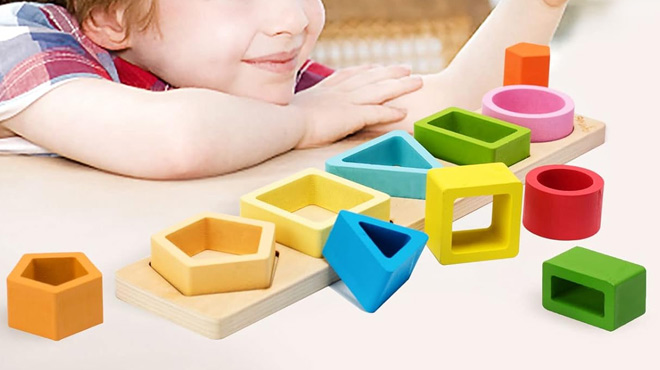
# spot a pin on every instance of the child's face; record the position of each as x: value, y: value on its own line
x: 250, y: 48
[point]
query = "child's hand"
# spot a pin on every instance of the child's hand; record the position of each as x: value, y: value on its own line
x: 555, y: 2
x: 351, y: 99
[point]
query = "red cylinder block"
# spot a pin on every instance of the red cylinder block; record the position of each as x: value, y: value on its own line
x: 563, y: 202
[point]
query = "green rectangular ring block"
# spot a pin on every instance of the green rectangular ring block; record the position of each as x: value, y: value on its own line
x: 594, y: 288
x: 463, y: 137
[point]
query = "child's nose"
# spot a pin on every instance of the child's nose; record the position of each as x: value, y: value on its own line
x: 285, y: 17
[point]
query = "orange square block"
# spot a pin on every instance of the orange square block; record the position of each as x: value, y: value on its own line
x: 527, y: 64
x: 54, y: 295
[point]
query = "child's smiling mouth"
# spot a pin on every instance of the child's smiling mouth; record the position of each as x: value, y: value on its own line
x: 283, y: 62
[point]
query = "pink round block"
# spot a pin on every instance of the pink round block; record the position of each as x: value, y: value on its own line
x: 547, y: 112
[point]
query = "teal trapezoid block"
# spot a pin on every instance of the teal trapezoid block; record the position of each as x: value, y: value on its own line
x: 394, y: 163
x: 374, y: 258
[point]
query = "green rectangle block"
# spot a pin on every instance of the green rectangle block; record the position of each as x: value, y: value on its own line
x: 594, y: 288
x: 463, y: 137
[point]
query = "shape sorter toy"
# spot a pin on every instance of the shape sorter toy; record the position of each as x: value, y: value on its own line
x: 463, y: 137
x: 500, y: 240
x: 215, y: 253
x: 394, y: 163
x: 304, y: 207
x: 298, y: 275
x: 54, y: 295
x: 374, y: 258
x: 594, y: 288
x: 527, y: 64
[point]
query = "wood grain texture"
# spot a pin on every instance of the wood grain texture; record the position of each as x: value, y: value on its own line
x: 297, y: 275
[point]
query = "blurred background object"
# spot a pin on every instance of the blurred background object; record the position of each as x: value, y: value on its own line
x: 426, y: 34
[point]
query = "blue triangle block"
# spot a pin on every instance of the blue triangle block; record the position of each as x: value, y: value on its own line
x: 394, y: 163
x: 374, y: 258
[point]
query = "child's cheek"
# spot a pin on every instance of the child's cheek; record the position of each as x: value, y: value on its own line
x: 316, y: 14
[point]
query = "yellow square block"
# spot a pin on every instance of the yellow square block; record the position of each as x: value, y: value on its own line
x: 215, y: 253
x: 445, y: 185
x: 304, y: 207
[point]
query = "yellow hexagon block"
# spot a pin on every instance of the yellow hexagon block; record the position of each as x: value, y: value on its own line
x: 501, y: 240
x: 215, y: 253
x: 305, y: 205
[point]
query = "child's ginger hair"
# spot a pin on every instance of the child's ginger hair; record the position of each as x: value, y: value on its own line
x: 138, y: 13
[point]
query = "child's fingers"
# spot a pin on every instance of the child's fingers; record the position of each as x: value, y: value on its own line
x: 555, y: 2
x: 373, y: 76
x: 375, y: 114
x: 384, y: 91
x: 342, y: 74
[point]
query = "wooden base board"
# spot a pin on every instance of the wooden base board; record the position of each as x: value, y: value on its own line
x: 298, y: 275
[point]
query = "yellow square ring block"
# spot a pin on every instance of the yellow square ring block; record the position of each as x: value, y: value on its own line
x: 304, y: 207
x: 215, y: 253
x: 500, y: 240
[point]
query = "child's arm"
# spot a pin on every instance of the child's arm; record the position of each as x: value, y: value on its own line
x: 5, y: 133
x: 479, y: 66
x: 190, y: 133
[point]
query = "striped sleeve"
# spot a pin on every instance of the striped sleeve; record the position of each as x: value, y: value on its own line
x: 41, y: 46
x: 310, y: 74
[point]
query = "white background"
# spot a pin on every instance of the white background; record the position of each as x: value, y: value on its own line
x: 486, y: 314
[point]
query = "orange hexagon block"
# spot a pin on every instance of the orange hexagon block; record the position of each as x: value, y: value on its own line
x: 527, y: 64
x: 54, y: 295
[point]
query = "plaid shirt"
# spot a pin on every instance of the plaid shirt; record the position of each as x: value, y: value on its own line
x: 42, y: 46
